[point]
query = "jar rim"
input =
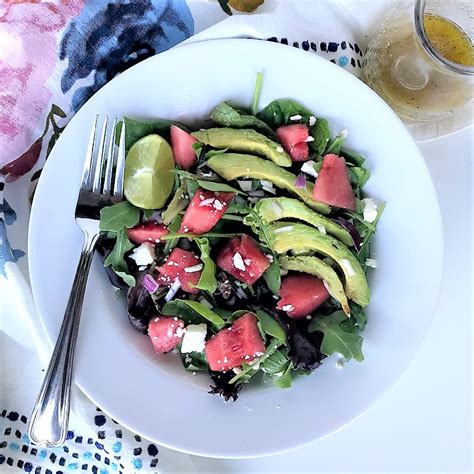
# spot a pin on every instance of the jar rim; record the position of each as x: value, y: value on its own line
x: 430, y: 49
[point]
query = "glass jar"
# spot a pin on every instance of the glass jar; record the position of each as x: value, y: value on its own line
x: 421, y: 61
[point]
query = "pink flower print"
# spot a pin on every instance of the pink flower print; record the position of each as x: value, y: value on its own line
x: 28, y: 56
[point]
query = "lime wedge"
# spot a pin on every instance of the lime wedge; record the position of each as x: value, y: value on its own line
x: 148, y: 178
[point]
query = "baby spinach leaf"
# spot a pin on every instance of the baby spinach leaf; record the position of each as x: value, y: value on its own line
x: 136, y: 129
x: 192, y: 312
x: 335, y: 338
x: 225, y: 115
x: 207, y: 281
x: 275, y: 363
x: 321, y: 134
x: 352, y: 158
x: 334, y: 146
x: 208, y: 185
x: 358, y: 176
x: 177, y: 204
x: 271, y: 326
x: 115, y: 218
x: 116, y: 260
x: 272, y: 276
x: 278, y: 113
x: 284, y: 380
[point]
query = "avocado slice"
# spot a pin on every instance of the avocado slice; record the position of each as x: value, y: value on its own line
x: 273, y: 209
x: 244, y: 139
x: 235, y: 165
x: 315, y: 266
x: 288, y: 235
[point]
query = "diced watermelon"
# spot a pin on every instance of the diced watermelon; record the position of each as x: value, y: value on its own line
x: 182, y: 145
x: 149, y: 231
x: 293, y: 138
x: 332, y: 184
x: 175, y: 267
x: 301, y: 294
x: 204, y: 211
x: 231, y: 347
x: 243, y: 259
x: 165, y: 333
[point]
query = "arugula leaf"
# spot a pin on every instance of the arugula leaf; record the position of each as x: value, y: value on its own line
x: 115, y: 218
x: 321, y: 134
x: 272, y: 276
x: 334, y: 146
x: 270, y: 326
x: 192, y: 312
x: 207, y: 281
x: 136, y: 129
x: 195, y: 361
x: 335, y: 338
x: 353, y: 158
x: 358, y: 314
x: 173, y: 228
x: 256, y: 94
x: 278, y: 113
x: 358, y: 176
x: 276, y: 363
x: 250, y: 369
x: 363, y: 253
x: 208, y: 185
x: 116, y: 260
x: 225, y: 115
x: 284, y: 380
x: 177, y: 204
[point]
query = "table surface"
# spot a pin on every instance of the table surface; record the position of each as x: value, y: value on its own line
x: 424, y: 423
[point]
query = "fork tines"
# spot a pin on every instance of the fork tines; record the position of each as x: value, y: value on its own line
x: 106, y: 166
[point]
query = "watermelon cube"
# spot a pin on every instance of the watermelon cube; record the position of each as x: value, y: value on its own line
x: 165, y: 333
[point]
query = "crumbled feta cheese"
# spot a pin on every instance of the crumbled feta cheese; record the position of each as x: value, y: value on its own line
x: 194, y: 268
x: 248, y: 261
x: 255, y: 364
x: 309, y: 139
x: 348, y: 267
x: 308, y: 168
x: 193, y: 372
x: 207, y: 202
x: 279, y: 149
x: 144, y: 254
x: 237, y: 370
x: 238, y: 261
x: 287, y: 228
x: 371, y: 262
x: 218, y: 205
x: 194, y: 338
x: 180, y: 331
x: 343, y: 133
x: 296, y: 117
x: 308, y: 317
x: 321, y: 229
x: 288, y: 307
x: 245, y: 186
x: 370, y: 210
x: 312, y: 120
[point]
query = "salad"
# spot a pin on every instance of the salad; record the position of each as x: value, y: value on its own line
x: 244, y: 245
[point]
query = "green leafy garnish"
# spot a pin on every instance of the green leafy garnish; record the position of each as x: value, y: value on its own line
x: 208, y: 185
x: 116, y: 260
x: 358, y: 175
x: 321, y: 134
x: 177, y: 204
x: 207, y: 281
x: 256, y: 94
x: 225, y: 115
x: 195, y: 361
x: 335, y: 338
x: 272, y: 276
x: 275, y: 363
x: 136, y: 129
x: 335, y: 144
x: 284, y: 380
x: 353, y: 158
x: 270, y: 326
x: 192, y: 312
x: 115, y: 218
x: 278, y: 113
x: 173, y: 229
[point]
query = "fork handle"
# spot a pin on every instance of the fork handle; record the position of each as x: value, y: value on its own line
x: 50, y: 417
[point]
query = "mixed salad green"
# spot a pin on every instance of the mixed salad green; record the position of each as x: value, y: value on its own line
x: 245, y: 245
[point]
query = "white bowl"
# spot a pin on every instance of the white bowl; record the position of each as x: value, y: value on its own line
x: 154, y: 396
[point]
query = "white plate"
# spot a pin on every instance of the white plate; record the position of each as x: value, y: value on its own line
x: 154, y: 396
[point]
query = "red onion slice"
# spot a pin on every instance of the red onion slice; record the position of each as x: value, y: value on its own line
x: 300, y: 181
x: 355, y: 236
x: 150, y: 284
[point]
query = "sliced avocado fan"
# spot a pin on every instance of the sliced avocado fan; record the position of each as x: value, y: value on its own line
x: 273, y: 209
x: 315, y: 266
x: 244, y: 139
x: 235, y: 165
x: 285, y: 236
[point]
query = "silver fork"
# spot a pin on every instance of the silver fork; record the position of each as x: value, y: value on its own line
x: 49, y: 420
